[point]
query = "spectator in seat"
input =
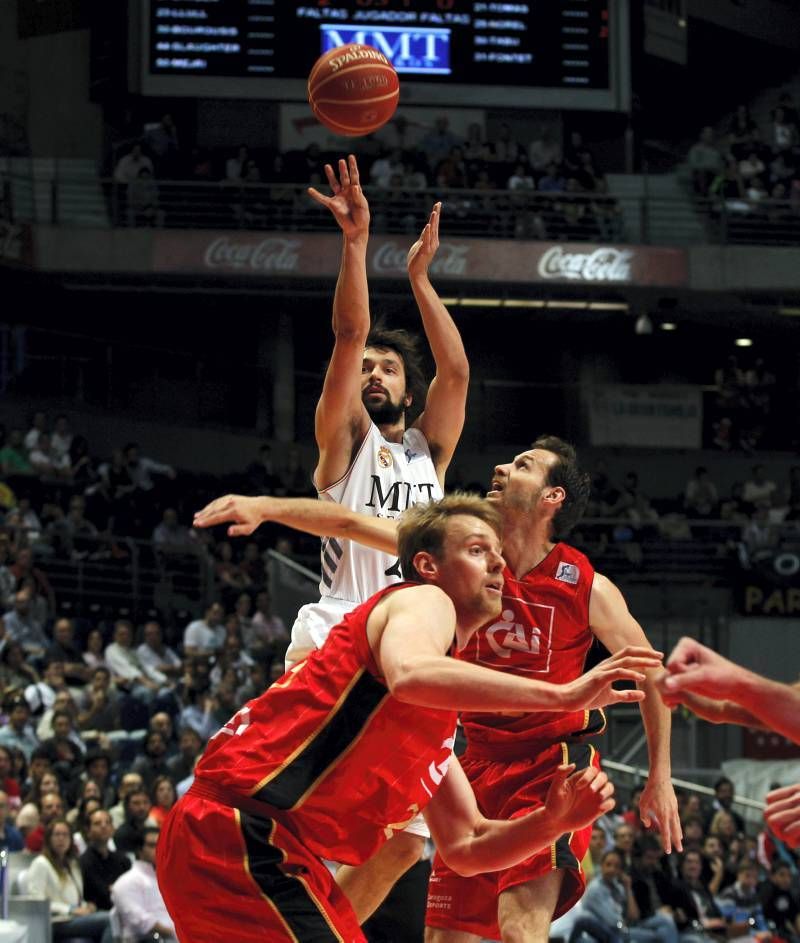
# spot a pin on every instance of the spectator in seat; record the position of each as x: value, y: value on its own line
x: 14, y: 456
x: 130, y: 164
x: 758, y: 489
x: 64, y: 649
x: 51, y: 807
x: 56, y: 875
x: 152, y: 763
x: 156, y: 656
x: 162, y: 142
x: 267, y: 628
x: 143, y: 203
x: 128, y: 672
x: 99, y: 702
x: 544, y: 150
x: 740, y: 131
x: 170, y: 536
x: 39, y: 425
x: 142, y: 912
x: 235, y: 166
x: 701, y: 498
x: 23, y: 628
x: 385, y: 167
x: 205, y: 636
x: 130, y: 782
x: 163, y: 798
x: 61, y: 439
x: 742, y: 906
x: 10, y: 836
x: 696, y: 912
x: 780, y: 903
x: 752, y: 166
x: 438, y: 142
x: 652, y: 890
x: 190, y: 746
x: 100, y: 866
x: 141, y: 468
x: 18, y: 732
x: 782, y: 133
x: 520, y: 179
x: 15, y: 673
x: 137, y: 811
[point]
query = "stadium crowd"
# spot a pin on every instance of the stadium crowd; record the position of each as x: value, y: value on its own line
x: 105, y: 713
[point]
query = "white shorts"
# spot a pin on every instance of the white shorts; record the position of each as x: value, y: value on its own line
x: 311, y: 627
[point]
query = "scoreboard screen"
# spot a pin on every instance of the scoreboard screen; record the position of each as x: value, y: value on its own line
x: 484, y: 52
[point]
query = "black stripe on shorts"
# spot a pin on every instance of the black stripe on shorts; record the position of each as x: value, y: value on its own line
x: 288, y: 894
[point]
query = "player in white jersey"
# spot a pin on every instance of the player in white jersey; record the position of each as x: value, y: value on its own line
x: 368, y: 460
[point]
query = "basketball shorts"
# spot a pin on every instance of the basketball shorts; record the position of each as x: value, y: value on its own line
x: 311, y: 627
x: 506, y: 790
x: 227, y: 874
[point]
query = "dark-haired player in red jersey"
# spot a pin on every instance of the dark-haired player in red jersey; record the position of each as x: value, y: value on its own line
x: 553, y: 604
x: 351, y: 743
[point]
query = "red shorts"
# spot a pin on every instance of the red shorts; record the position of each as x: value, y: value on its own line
x: 506, y: 789
x: 226, y: 874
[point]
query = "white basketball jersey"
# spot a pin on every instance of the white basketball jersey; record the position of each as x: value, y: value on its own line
x: 383, y: 480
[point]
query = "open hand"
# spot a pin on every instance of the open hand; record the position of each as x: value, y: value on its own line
x: 595, y: 688
x: 424, y: 249
x: 658, y: 808
x: 245, y: 514
x: 576, y: 800
x: 348, y: 203
x: 782, y: 814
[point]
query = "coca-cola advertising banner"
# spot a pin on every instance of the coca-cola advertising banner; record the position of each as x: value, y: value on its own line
x: 486, y: 260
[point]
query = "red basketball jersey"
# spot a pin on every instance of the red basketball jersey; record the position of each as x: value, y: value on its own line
x: 542, y: 633
x: 341, y: 762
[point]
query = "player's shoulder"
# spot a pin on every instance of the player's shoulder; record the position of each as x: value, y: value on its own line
x: 423, y: 596
x: 571, y: 554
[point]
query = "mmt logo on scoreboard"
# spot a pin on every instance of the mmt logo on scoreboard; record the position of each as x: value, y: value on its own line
x: 410, y: 49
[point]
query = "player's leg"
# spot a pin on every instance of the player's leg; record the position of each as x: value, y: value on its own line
x: 525, y: 911
x: 367, y: 885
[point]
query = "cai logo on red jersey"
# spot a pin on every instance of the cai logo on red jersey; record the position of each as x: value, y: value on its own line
x: 521, y: 638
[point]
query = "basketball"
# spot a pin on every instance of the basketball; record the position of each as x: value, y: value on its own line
x: 353, y: 89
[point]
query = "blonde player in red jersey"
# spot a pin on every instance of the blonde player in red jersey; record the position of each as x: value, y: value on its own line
x: 540, y: 495
x: 338, y: 755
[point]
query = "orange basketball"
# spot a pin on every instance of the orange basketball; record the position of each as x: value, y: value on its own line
x: 353, y: 89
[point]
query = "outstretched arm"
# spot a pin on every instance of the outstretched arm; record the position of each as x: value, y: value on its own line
x: 471, y: 844
x: 341, y: 420
x: 320, y: 518
x: 615, y: 627
x: 443, y: 417
x: 695, y: 669
x: 410, y: 632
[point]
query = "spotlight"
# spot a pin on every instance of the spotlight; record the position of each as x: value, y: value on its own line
x: 744, y: 342
x: 669, y: 326
x: 643, y: 325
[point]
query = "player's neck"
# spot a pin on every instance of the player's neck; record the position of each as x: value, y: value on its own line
x: 392, y: 431
x: 526, y: 544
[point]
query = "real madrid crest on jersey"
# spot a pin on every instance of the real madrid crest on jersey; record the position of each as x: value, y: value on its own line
x: 385, y: 456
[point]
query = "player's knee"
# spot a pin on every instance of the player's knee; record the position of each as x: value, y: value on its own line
x: 404, y: 850
x: 518, y: 929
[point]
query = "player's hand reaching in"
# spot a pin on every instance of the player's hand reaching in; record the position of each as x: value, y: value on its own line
x: 595, y: 688
x: 782, y: 814
x: 421, y: 254
x: 348, y: 203
x: 575, y: 800
x: 244, y: 514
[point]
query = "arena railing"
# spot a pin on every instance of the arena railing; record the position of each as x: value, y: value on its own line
x: 286, y: 206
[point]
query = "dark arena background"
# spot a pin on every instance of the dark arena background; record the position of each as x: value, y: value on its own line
x: 620, y: 249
